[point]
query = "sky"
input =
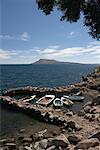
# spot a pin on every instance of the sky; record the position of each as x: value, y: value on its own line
x: 27, y: 35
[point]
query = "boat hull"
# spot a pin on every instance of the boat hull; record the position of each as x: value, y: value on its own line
x: 46, y: 100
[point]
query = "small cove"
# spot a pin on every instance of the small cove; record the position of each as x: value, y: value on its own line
x: 36, y: 75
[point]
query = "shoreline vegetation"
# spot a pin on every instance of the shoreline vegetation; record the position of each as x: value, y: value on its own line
x: 77, y: 130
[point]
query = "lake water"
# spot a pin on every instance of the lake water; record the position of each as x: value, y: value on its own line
x: 35, y: 75
x: 42, y: 75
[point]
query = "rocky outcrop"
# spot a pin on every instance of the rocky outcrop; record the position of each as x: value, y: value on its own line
x: 95, y: 135
x: 60, y: 140
x: 87, y: 143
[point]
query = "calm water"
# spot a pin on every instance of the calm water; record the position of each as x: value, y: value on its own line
x: 42, y: 75
x: 35, y: 75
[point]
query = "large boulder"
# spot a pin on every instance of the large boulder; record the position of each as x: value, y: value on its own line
x: 87, y: 143
x: 59, y: 140
x: 74, y: 139
x: 87, y: 109
x: 43, y: 143
x: 96, y: 135
x: 73, y: 125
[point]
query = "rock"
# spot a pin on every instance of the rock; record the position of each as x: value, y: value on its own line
x: 95, y: 109
x: 37, y: 146
x: 25, y: 140
x: 55, y: 132
x: 96, y: 100
x: 51, y: 147
x: 74, y: 139
x: 87, y: 143
x: 97, y: 116
x: 51, y: 117
x: 3, y: 141
x: 69, y: 113
x: 61, y: 120
x: 22, y: 131
x: 10, y: 140
x: 87, y: 109
x: 1, y: 148
x: 20, y: 148
x: 11, y: 146
x: 60, y: 140
x: 73, y: 125
x: 42, y: 132
x: 28, y: 148
x: 94, y: 148
x: 77, y: 127
x: 95, y: 135
x: 43, y: 143
x: 50, y: 142
x: 89, y: 103
x: 39, y: 135
x: 88, y: 116
x: 43, y: 114
x: 69, y: 129
x: 92, y: 117
x: 20, y: 138
x: 81, y: 113
x: 63, y: 130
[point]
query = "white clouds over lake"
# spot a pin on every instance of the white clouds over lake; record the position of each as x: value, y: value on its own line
x: 54, y: 52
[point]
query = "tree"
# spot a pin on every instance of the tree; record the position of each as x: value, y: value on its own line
x: 72, y: 9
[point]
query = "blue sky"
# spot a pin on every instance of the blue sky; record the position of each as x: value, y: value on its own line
x: 27, y: 35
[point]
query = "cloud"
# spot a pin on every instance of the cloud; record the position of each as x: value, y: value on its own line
x: 85, y: 54
x: 6, y: 54
x: 7, y: 37
x: 72, y: 34
x: 54, y: 47
x: 60, y: 54
x: 24, y: 36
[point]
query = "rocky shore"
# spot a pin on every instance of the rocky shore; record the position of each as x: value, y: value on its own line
x: 79, y: 130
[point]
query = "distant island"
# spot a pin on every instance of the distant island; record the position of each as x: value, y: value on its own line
x: 49, y: 61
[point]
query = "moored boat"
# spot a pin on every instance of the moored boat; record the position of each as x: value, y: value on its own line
x: 30, y: 99
x: 45, y: 100
x: 58, y: 102
x: 66, y: 101
x: 74, y: 97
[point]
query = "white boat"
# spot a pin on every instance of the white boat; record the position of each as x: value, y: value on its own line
x: 30, y: 99
x: 58, y: 102
x: 45, y: 100
x: 74, y: 97
x: 66, y: 101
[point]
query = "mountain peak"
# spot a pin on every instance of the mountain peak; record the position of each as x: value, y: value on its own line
x: 46, y: 61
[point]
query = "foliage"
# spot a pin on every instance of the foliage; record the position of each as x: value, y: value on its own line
x: 71, y: 10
